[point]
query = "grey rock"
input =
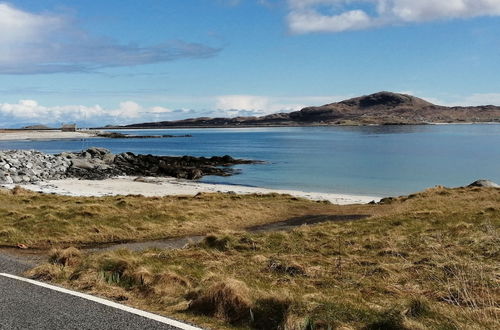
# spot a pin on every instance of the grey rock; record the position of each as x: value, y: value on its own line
x: 18, y: 166
x: 484, y: 183
x: 109, y: 158
x: 83, y: 164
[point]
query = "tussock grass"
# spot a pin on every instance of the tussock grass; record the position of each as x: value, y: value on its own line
x: 431, y: 261
x: 228, y: 300
x: 44, y: 221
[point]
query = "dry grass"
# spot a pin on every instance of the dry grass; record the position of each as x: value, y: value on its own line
x: 432, y: 263
x: 227, y: 300
x: 44, y: 221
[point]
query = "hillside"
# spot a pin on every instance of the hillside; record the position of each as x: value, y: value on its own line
x: 383, y: 108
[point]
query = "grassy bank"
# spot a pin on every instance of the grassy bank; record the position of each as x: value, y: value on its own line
x: 42, y: 220
x: 429, y: 261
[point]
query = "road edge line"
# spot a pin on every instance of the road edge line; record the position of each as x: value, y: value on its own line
x: 105, y: 302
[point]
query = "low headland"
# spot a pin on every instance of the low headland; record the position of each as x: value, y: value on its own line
x: 383, y: 108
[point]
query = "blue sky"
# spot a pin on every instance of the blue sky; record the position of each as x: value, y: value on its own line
x: 100, y: 62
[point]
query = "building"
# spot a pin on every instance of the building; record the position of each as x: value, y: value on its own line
x: 68, y: 128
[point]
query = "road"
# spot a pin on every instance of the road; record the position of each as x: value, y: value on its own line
x: 26, y: 306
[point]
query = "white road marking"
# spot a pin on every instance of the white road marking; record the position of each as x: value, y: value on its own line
x: 105, y: 302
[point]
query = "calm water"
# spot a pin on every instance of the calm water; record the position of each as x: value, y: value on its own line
x: 385, y: 160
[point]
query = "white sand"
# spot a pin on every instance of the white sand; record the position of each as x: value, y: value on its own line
x: 171, y: 186
x: 44, y: 135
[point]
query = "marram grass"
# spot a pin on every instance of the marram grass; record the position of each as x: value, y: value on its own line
x: 428, y: 261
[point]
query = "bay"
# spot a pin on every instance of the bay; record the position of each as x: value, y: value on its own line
x: 370, y: 160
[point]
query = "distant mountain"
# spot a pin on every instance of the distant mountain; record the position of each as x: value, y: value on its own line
x: 384, y: 108
x: 36, y: 127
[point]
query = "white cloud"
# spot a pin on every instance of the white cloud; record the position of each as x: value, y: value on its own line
x: 307, y: 16
x: 469, y: 100
x: 482, y: 99
x: 48, y: 43
x: 242, y: 102
x: 33, y: 112
x: 160, y: 110
x: 251, y: 105
x: 254, y: 105
x: 25, y: 26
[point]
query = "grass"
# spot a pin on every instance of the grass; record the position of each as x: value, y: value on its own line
x: 429, y: 261
x: 44, y: 221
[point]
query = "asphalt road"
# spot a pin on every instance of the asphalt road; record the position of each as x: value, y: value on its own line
x: 27, y: 306
x: 16, y: 264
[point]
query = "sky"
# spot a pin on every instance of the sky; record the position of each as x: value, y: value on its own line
x: 128, y: 61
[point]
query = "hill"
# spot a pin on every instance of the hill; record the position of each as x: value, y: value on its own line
x: 383, y: 108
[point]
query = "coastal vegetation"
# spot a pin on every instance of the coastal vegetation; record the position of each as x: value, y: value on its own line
x: 43, y: 220
x: 427, y: 260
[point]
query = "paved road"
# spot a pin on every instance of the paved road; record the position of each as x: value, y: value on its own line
x: 27, y: 306
x: 15, y: 263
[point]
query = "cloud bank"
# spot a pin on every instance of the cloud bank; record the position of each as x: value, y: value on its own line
x: 255, y: 105
x: 309, y: 16
x: 31, y: 112
x: 32, y: 43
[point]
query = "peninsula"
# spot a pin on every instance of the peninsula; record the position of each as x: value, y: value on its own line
x: 383, y: 108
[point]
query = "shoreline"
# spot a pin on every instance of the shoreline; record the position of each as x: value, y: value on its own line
x: 27, y: 135
x: 158, y: 187
x: 54, y: 135
x: 124, y: 128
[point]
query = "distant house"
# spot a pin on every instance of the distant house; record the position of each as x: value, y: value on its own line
x: 68, y: 128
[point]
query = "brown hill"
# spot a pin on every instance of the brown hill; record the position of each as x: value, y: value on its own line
x: 383, y: 108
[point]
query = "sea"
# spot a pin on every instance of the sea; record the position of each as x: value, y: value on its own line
x: 368, y: 160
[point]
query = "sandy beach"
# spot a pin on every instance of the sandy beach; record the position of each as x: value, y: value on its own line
x: 12, y: 135
x: 171, y: 186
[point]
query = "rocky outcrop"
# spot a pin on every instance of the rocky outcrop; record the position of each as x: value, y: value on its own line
x: 484, y: 183
x: 24, y: 166
x: 21, y: 166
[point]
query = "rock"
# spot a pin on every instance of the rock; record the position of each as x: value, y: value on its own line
x: 98, y: 151
x: 108, y: 158
x: 484, y: 183
x: 83, y: 164
x: 16, y: 179
x: 23, y: 166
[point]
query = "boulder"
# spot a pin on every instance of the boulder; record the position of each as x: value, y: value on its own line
x: 484, y: 183
x: 84, y: 164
